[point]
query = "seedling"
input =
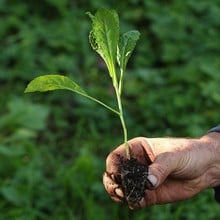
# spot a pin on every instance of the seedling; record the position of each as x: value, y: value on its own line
x: 115, y: 49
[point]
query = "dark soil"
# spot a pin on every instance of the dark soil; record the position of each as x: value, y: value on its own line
x: 133, y: 180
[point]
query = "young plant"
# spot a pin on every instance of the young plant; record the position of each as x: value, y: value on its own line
x: 114, y: 49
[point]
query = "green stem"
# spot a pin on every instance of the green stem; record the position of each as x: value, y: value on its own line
x: 121, y: 80
x: 121, y: 114
x: 101, y: 103
x: 123, y: 124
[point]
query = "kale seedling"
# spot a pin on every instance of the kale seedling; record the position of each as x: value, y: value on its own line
x: 115, y: 49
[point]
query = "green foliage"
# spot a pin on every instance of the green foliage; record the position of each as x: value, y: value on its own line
x: 126, y: 45
x: 104, y: 39
x: 104, y: 36
x: 56, y: 82
x: 53, y: 82
x: 52, y: 155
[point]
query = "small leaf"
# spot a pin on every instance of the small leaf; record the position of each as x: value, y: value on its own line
x: 53, y: 82
x: 127, y: 43
x: 105, y: 35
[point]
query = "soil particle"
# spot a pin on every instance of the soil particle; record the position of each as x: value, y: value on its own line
x: 133, y: 180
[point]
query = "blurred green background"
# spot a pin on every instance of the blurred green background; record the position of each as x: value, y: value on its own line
x: 53, y: 146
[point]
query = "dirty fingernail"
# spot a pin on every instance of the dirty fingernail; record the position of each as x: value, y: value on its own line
x: 152, y: 179
x: 119, y: 192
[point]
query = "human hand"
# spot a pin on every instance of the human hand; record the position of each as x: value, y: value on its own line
x: 180, y: 168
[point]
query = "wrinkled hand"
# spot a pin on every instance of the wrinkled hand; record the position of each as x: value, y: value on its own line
x: 180, y: 168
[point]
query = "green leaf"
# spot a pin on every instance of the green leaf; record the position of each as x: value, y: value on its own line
x: 105, y: 35
x: 9, y: 152
x: 53, y: 82
x: 127, y: 43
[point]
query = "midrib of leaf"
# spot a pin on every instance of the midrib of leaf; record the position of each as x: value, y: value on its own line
x: 123, y: 58
x: 110, y: 58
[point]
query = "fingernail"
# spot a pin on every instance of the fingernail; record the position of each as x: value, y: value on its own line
x: 113, y: 177
x: 119, y: 192
x: 152, y: 179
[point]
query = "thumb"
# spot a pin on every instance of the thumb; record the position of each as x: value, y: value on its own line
x: 163, y: 165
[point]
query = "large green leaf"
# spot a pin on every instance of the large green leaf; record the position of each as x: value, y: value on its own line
x: 127, y: 43
x: 53, y: 82
x: 105, y: 35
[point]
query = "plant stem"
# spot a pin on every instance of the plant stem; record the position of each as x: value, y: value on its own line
x: 121, y: 80
x: 123, y: 125
x: 125, y: 136
x: 121, y: 114
x: 101, y: 103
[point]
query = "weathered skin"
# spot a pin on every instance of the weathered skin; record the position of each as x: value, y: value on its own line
x: 181, y: 167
